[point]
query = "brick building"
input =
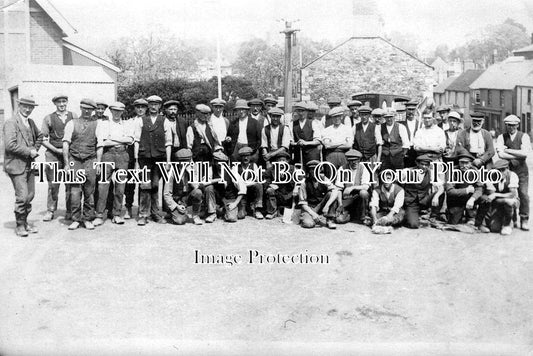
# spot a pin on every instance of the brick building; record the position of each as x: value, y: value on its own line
x: 37, y: 58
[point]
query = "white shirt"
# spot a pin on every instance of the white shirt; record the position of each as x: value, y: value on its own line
x: 398, y: 201
x: 403, y: 134
x: 525, y: 145
x: 433, y: 138
x: 477, y: 144
x: 219, y: 127
x: 107, y: 131
x: 243, y: 124
x: 340, y: 135
x: 411, y: 124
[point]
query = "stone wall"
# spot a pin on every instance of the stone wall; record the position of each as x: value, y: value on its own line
x: 366, y: 65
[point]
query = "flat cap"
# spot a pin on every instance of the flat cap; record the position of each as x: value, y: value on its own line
x: 354, y: 103
x: 218, y: 102
x: 184, y: 154
x: 334, y: 100
x: 154, y: 99
x: 276, y: 111
x: 59, y: 96
x: 140, y: 102
x: 255, y: 101
x: 455, y: 115
x: 336, y: 111
x: 389, y: 113
x: 204, y: 109
x: 271, y: 100
x: 428, y: 114
x: 512, y: 119
x: 442, y: 108
x: 400, y: 108
x: 477, y: 115
x: 464, y: 154
x: 353, y: 154
x: 411, y: 104
x: 117, y: 105
x: 311, y: 106
x: 501, y: 164
x: 377, y: 112
x: 424, y: 158
x: 312, y: 163
x: 27, y: 100
x: 241, y: 104
x: 171, y: 102
x: 282, y: 153
x: 299, y: 105
x: 365, y: 109
x: 87, y: 103
x: 101, y: 102
x: 220, y: 156
x: 245, y: 151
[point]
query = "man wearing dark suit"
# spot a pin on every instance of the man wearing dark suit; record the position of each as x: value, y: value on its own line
x: 244, y: 131
x: 22, y: 142
x: 411, y: 124
x: 477, y: 141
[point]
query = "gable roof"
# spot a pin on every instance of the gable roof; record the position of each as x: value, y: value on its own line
x: 505, y: 75
x: 523, y: 50
x: 365, y: 38
x: 57, y: 17
x: 463, y: 81
x: 70, y: 45
x: 439, y: 89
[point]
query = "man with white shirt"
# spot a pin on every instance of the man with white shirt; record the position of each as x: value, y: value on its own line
x: 275, y: 137
x: 515, y: 146
x: 442, y: 116
x: 327, y: 120
x: 395, y: 142
x: 354, y: 106
x: 412, y: 125
x: 178, y: 126
x: 256, y: 112
x: 53, y: 129
x: 337, y: 138
x: 153, y: 144
x: 201, y: 138
x: 454, y: 122
x: 367, y: 137
x: 113, y: 138
x: 430, y: 138
x: 477, y: 141
x: 245, y: 131
x: 219, y: 123
x: 305, y: 134
x: 355, y: 194
x: 386, y: 205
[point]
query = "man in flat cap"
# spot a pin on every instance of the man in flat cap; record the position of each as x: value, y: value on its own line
x: 178, y: 125
x: 354, y: 106
x: 79, y: 153
x: 101, y: 107
x: 153, y: 144
x: 367, y: 137
x: 275, y: 137
x: 305, y: 134
x: 515, y: 146
x: 477, y: 141
x: 442, y: 116
x: 218, y: 121
x: 454, y: 123
x: 462, y: 197
x: 269, y: 103
x: 395, y: 142
x: 377, y: 117
x: 252, y: 201
x: 356, y: 192
x: 179, y: 195
x: 244, y: 131
x: 278, y: 194
x: 422, y: 195
x: 501, y: 200
x: 327, y: 120
x: 386, y: 205
x: 256, y: 112
x: 53, y: 129
x: 201, y: 138
x: 317, y: 200
x: 337, y: 138
x: 113, y: 138
x: 430, y: 138
x: 22, y: 141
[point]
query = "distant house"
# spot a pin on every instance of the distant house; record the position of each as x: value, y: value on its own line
x: 504, y: 89
x: 39, y: 59
x: 365, y: 64
x: 439, y: 92
x: 441, y: 69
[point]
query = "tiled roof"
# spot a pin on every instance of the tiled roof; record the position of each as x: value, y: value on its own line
x: 439, y: 89
x: 505, y: 75
x: 463, y: 81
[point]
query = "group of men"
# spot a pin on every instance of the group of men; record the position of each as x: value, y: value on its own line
x: 260, y: 135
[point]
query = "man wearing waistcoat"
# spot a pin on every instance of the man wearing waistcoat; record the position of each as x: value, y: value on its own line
x: 79, y: 154
x: 253, y: 199
x: 256, y: 112
x: 219, y: 123
x: 153, y: 144
x: 201, y: 137
x: 245, y: 131
x: 275, y: 137
x: 367, y: 137
x: 278, y: 193
x: 178, y: 125
x: 386, y: 205
x: 477, y: 141
x: 306, y: 135
x: 395, y: 142
x: 354, y: 106
x: 53, y: 129
x: 22, y: 142
x: 411, y: 124
x: 101, y: 107
x: 515, y: 146
x: 454, y: 122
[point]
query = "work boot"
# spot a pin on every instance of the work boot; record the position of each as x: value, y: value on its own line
x: 98, y: 222
x: 74, y: 225
x: 483, y: 229
x: 331, y: 225
x: 507, y: 230
x: 158, y: 219
x: 117, y: 220
x: 89, y: 225
x: 31, y: 229
x: 211, y: 218
x: 269, y: 216
x: 128, y: 214
x: 196, y: 220
x: 142, y: 221
x: 524, y: 224
x: 258, y: 215
x: 20, y: 230
x: 48, y: 216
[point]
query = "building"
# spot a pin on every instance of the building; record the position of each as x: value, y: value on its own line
x: 504, y: 89
x: 207, y: 69
x: 439, y: 92
x: 441, y: 69
x: 37, y: 58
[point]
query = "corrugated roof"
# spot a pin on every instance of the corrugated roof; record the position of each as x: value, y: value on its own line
x: 504, y: 75
x: 463, y: 81
x: 439, y: 89
x: 64, y: 74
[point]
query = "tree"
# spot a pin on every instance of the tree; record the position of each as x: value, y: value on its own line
x: 406, y: 41
x: 442, y: 51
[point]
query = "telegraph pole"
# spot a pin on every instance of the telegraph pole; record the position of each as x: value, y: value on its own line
x: 287, y: 83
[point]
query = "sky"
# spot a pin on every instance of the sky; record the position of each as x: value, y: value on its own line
x: 434, y: 21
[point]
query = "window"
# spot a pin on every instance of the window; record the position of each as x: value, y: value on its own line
x: 502, y: 98
x: 489, y: 97
x: 477, y: 97
x: 529, y: 96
